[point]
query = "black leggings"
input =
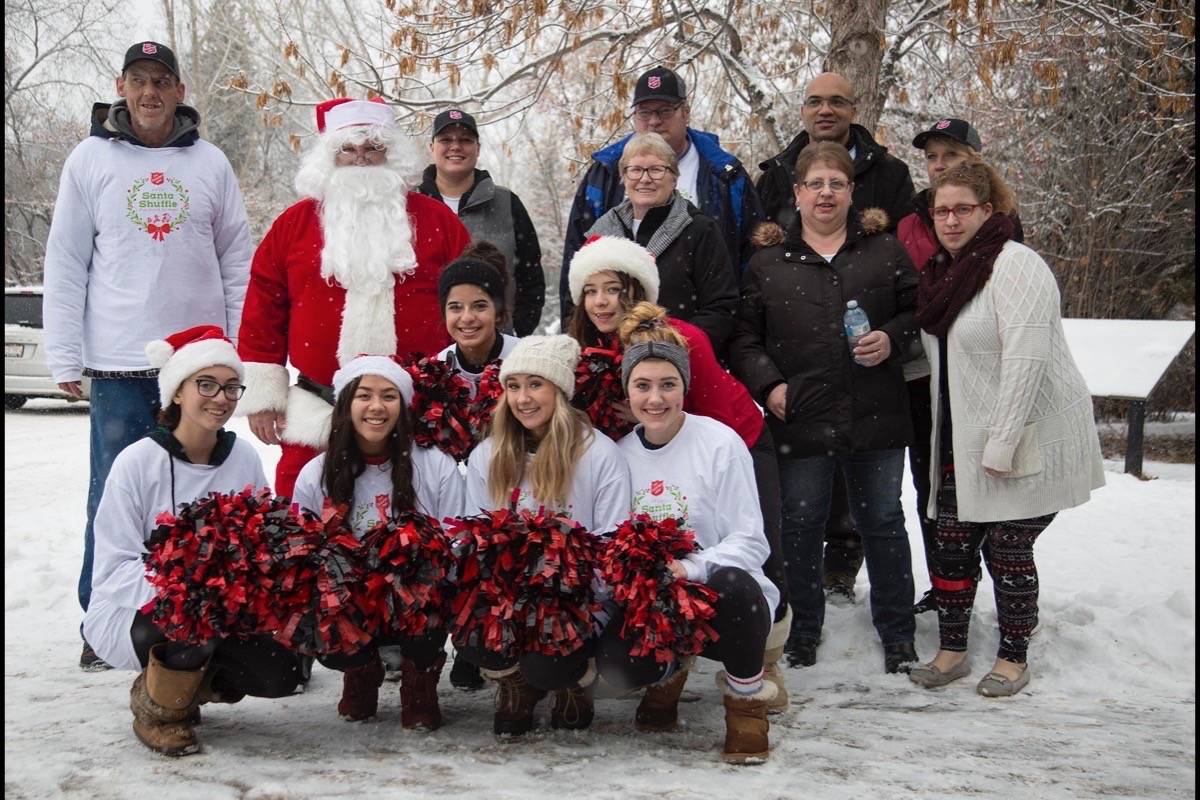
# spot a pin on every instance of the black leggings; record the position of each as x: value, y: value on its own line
x: 256, y: 665
x: 421, y: 650
x: 548, y: 673
x: 766, y: 476
x: 742, y: 624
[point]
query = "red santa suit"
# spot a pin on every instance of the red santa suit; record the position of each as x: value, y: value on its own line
x: 291, y: 312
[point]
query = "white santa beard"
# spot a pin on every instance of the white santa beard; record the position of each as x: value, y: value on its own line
x: 368, y: 242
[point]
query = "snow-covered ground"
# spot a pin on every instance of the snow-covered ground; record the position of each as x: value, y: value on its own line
x: 1110, y: 711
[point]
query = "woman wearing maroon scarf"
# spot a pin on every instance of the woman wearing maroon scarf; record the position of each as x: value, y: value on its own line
x: 1014, y: 441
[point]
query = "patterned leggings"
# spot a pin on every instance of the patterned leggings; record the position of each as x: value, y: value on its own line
x: 1009, y: 559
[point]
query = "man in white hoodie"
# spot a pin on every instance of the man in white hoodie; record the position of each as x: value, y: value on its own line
x: 149, y: 234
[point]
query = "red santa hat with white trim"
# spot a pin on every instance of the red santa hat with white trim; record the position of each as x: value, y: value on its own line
x: 187, y: 352
x: 343, y: 112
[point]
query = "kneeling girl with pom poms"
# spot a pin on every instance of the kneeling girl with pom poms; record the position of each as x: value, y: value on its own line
x: 184, y: 460
x: 543, y: 456
x: 372, y: 472
x: 696, y: 470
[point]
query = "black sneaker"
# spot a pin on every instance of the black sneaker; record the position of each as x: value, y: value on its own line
x: 90, y: 662
x: 899, y: 657
x: 800, y: 652
x: 927, y: 603
x: 465, y: 675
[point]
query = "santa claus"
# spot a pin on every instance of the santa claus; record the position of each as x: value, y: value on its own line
x: 352, y: 268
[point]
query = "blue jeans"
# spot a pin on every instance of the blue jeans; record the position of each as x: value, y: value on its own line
x: 122, y: 411
x: 873, y: 487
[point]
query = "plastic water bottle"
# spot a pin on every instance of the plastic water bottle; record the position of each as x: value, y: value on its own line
x: 856, y: 324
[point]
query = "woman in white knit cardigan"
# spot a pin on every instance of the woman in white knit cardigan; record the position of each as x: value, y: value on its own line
x: 1014, y: 440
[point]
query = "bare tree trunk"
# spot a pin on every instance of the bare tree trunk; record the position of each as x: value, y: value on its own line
x: 856, y: 52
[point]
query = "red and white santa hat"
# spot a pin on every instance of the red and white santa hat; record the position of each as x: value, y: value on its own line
x: 187, y: 352
x: 615, y: 254
x: 344, y: 112
x: 385, y: 367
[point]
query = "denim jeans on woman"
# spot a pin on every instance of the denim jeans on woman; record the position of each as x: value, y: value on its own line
x: 873, y: 481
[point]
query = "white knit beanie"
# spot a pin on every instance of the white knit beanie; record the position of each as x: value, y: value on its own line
x: 383, y: 366
x: 187, y: 352
x: 552, y: 357
x: 618, y: 255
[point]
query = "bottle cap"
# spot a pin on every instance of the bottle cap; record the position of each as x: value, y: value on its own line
x: 852, y: 304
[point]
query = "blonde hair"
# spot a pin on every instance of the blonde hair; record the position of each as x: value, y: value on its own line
x: 646, y: 322
x: 983, y: 181
x: 553, y: 465
x: 954, y: 146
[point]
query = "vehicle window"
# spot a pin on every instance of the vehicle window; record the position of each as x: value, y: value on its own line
x: 23, y: 309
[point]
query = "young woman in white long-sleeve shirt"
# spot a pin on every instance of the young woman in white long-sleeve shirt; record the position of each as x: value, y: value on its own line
x: 186, y: 458
x: 697, y: 470
x: 542, y: 453
x: 372, y: 468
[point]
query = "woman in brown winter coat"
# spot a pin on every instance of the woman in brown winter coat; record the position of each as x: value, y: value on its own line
x: 832, y: 407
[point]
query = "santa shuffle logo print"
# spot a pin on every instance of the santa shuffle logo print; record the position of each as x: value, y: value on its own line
x: 159, y: 208
x: 661, y: 500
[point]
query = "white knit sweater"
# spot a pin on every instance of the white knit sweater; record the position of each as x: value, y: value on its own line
x: 1017, y: 400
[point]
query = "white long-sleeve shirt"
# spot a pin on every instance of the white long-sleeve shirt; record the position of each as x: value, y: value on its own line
x: 144, y: 241
x: 599, y: 496
x: 705, y: 477
x: 436, y: 480
x: 138, y: 489
x: 507, y: 343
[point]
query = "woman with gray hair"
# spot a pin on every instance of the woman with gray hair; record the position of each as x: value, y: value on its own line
x: 696, y: 276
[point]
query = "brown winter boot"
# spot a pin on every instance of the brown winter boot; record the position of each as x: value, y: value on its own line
x: 574, y: 707
x: 746, y: 726
x: 771, y: 670
x: 659, y: 710
x: 162, y: 700
x: 418, y: 695
x: 360, y: 691
x: 515, y: 702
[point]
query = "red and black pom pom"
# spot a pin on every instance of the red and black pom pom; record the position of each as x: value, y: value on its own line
x: 440, y: 406
x: 524, y: 583
x: 405, y: 563
x: 664, y: 616
x: 598, y: 389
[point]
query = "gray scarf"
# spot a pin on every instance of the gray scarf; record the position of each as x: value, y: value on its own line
x: 619, y: 222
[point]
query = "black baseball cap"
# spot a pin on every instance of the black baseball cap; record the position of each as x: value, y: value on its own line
x: 957, y: 129
x: 151, y: 51
x: 454, y: 116
x: 660, y: 83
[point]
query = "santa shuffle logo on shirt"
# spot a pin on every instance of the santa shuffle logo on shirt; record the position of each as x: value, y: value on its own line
x: 160, y: 208
x: 661, y: 500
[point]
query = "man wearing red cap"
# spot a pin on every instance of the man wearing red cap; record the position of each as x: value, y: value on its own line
x: 351, y: 268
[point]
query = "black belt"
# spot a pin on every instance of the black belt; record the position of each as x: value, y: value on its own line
x: 319, y: 389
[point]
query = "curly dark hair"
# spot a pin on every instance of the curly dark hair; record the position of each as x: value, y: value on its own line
x: 345, y: 462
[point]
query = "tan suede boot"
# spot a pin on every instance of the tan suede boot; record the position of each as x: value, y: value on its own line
x: 659, y: 710
x: 771, y: 657
x: 515, y: 702
x: 746, y: 726
x: 575, y: 707
x: 162, y: 700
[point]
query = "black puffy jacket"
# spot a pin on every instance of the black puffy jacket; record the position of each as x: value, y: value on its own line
x: 790, y: 330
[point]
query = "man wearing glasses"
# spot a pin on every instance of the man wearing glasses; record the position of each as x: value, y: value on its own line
x: 710, y: 178
x: 880, y: 180
x: 149, y: 234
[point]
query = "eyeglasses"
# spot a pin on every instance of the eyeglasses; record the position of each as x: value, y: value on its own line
x: 664, y: 112
x: 837, y: 102
x: 960, y: 211
x: 835, y: 186
x: 656, y: 173
x: 208, y: 388
x: 371, y: 152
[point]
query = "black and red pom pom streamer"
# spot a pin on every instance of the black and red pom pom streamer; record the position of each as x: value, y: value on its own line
x: 405, y: 561
x: 440, y: 406
x: 664, y: 616
x: 598, y: 388
x: 523, y: 583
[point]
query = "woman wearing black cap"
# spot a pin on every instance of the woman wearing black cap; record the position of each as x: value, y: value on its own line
x: 471, y: 293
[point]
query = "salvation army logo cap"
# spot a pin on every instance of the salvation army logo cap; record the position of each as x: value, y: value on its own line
x: 454, y: 116
x: 957, y: 129
x: 660, y: 83
x: 151, y: 51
